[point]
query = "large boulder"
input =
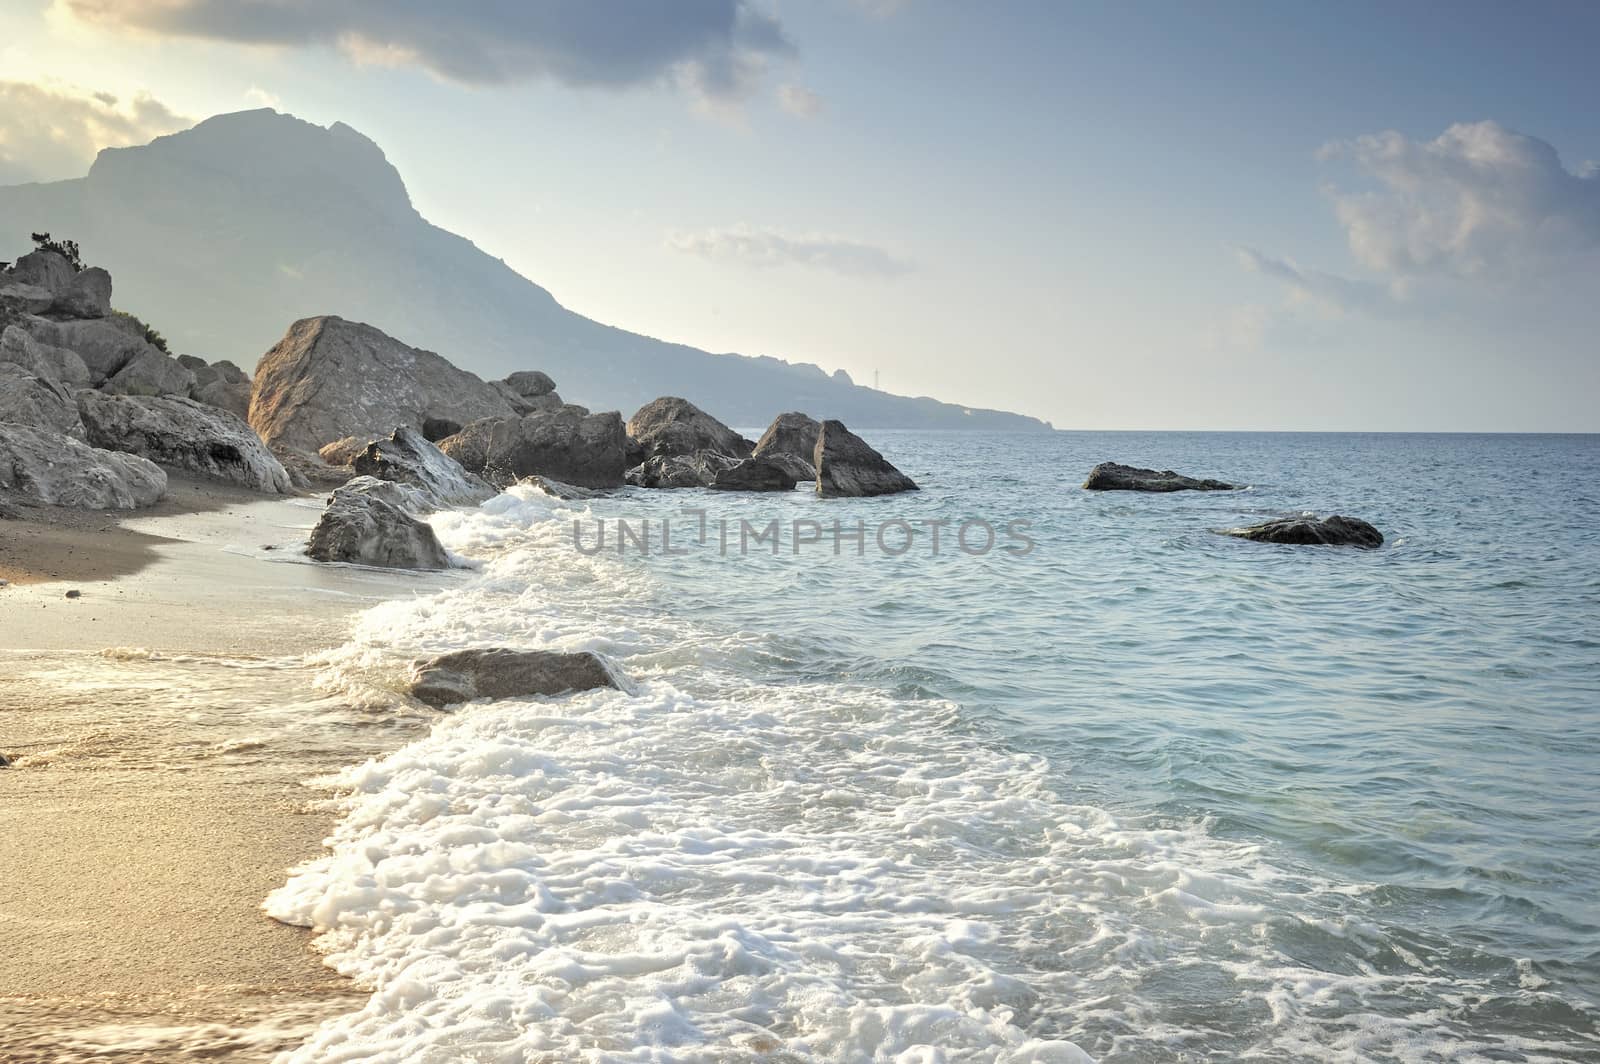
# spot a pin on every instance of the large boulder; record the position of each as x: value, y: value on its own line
x: 674, y: 426
x: 1113, y: 476
x: 531, y: 383
x: 329, y: 378
x: 698, y: 470
x: 105, y: 345
x: 464, y: 675
x: 46, y: 467
x: 176, y: 431
x: 847, y: 466
x: 1309, y: 530
x: 21, y: 298
x: 588, y: 450
x: 789, y: 442
x: 755, y: 474
x: 37, y: 401
x: 363, y: 529
x: 49, y: 270
x: 225, y: 395
x: 151, y: 373
x: 407, y: 458
x: 88, y: 296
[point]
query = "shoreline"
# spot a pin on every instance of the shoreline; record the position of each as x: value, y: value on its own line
x: 163, y: 725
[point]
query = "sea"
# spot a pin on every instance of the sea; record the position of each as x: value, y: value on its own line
x: 1001, y: 770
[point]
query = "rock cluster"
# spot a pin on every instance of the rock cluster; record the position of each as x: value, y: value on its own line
x: 94, y: 386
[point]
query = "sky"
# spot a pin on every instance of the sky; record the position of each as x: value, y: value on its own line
x: 1239, y: 215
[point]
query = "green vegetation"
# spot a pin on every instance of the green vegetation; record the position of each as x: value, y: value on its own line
x: 67, y: 249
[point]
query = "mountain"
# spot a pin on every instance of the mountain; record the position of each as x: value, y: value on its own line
x: 224, y: 234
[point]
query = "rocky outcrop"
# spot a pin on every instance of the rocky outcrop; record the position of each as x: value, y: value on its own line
x: 847, y: 466
x: 46, y: 467
x: 88, y: 296
x: 583, y: 449
x: 37, y: 401
x: 406, y: 458
x: 105, y: 345
x: 754, y: 474
x: 674, y: 426
x: 465, y: 675
x: 18, y: 298
x: 329, y: 378
x: 697, y: 470
x: 361, y: 528
x: 44, y: 269
x: 150, y: 373
x: 181, y: 432
x: 1113, y: 476
x: 1309, y: 530
x: 790, y: 441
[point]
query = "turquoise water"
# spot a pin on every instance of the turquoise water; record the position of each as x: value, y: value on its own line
x: 1144, y: 790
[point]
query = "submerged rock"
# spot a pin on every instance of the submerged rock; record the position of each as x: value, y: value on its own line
x: 181, y: 432
x: 39, y: 466
x: 674, y: 426
x: 755, y: 474
x: 560, y: 490
x: 1113, y: 476
x: 363, y: 529
x: 407, y: 458
x: 465, y: 675
x: 847, y: 466
x: 1309, y: 530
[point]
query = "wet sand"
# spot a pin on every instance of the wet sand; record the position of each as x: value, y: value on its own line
x: 162, y: 725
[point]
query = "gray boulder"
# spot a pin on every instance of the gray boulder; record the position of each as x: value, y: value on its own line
x: 1310, y: 530
x: 465, y: 675
x: 531, y: 383
x: 226, y: 395
x: 37, y: 401
x: 847, y: 466
x: 407, y: 458
x: 88, y: 296
x: 789, y: 442
x: 1113, y: 476
x: 588, y: 450
x: 361, y: 528
x: 105, y: 345
x: 49, y: 270
x: 151, y: 373
x: 412, y: 500
x: 698, y: 470
x: 229, y: 372
x: 21, y: 298
x: 329, y: 378
x: 674, y: 426
x: 523, y: 405
x: 755, y: 474
x: 40, y: 466
x: 177, y: 431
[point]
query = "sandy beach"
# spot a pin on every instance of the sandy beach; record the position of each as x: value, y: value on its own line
x: 162, y: 724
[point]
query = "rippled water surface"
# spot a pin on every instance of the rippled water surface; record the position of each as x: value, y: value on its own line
x: 1143, y: 793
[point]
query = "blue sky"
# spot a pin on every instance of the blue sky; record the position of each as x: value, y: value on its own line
x: 1232, y: 215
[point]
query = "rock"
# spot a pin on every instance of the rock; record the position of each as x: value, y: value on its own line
x: 49, y: 270
x: 25, y: 298
x: 329, y: 378
x: 673, y: 426
x: 1112, y: 476
x: 522, y: 405
x: 531, y: 383
x: 38, y: 402
x: 412, y: 500
x: 698, y: 470
x: 435, y: 429
x: 226, y: 395
x: 105, y: 345
x: 406, y: 458
x: 588, y: 450
x: 230, y: 373
x: 308, y: 472
x: 789, y: 443
x: 1308, y: 529
x: 151, y: 373
x: 20, y: 349
x: 465, y: 675
x: 755, y: 474
x: 363, y: 529
x: 559, y: 490
x: 46, y: 467
x: 74, y: 593
x: 847, y: 466
x: 341, y: 452
x: 5, y: 762
x: 178, y: 431
x: 203, y: 373
x: 88, y: 296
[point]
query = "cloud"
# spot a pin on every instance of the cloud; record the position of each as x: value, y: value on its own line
x: 799, y: 101
x: 764, y: 249
x: 262, y: 98
x: 716, y: 49
x: 1326, y: 292
x: 1479, y: 200
x: 52, y: 132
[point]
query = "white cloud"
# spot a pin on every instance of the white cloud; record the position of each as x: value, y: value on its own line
x: 799, y: 101
x: 262, y: 98
x: 50, y: 132
x: 765, y: 248
x: 1479, y: 200
x: 718, y: 49
x: 1327, y: 293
